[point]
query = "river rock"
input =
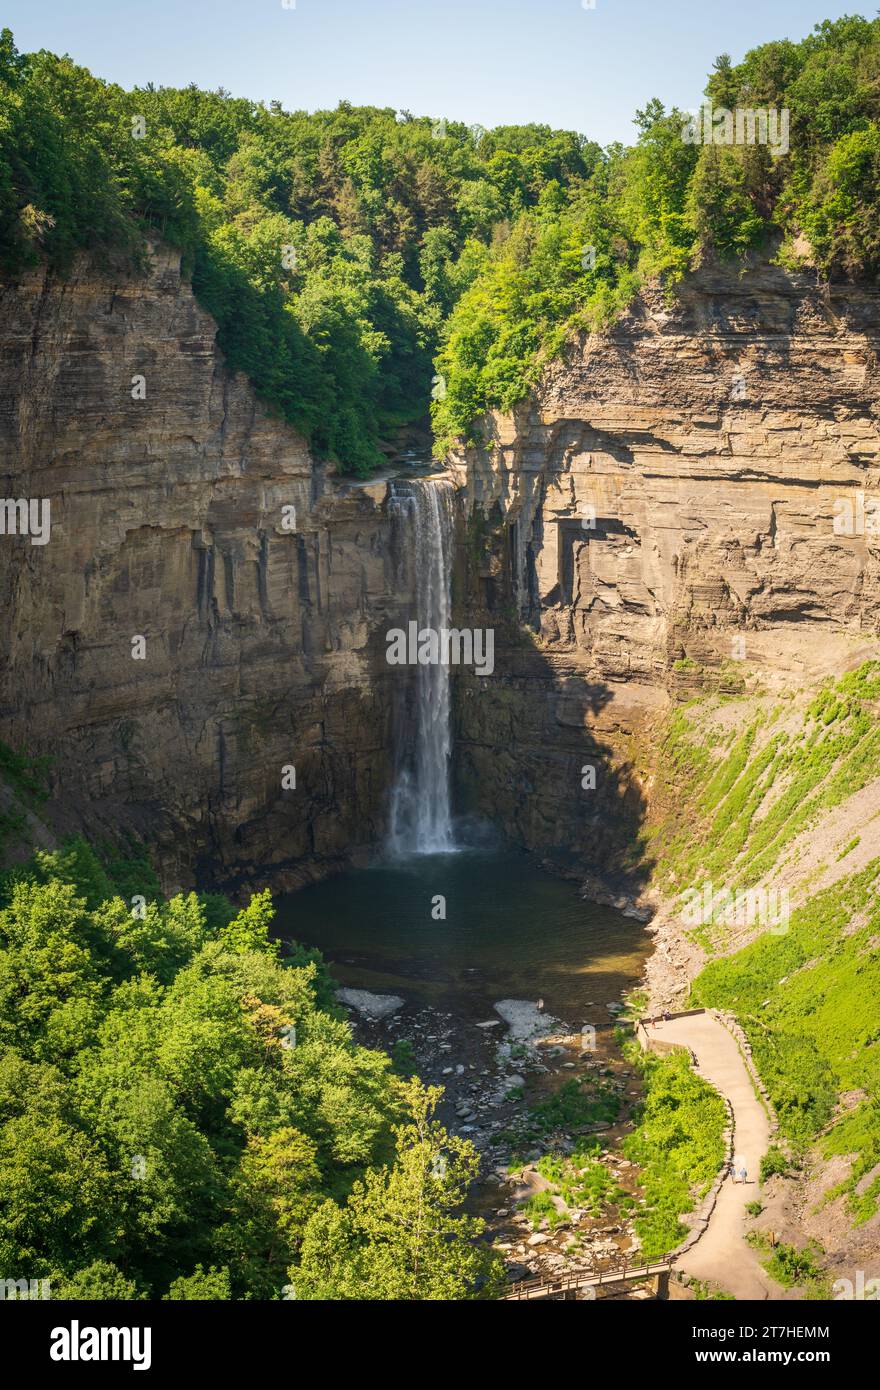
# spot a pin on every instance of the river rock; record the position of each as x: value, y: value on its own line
x: 369, y: 1005
x: 525, y: 1020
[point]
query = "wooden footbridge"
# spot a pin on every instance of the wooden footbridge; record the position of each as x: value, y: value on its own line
x: 568, y: 1285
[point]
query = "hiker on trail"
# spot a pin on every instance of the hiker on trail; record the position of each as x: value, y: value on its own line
x: 540, y: 1003
x: 743, y: 1173
x: 665, y: 1015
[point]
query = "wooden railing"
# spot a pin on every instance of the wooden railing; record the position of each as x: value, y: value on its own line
x: 568, y: 1283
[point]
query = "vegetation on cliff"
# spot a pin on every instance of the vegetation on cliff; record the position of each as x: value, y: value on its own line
x: 791, y: 775
x: 329, y: 246
x: 661, y: 206
x: 808, y: 1001
x: 757, y: 784
x: 341, y: 252
x: 184, y: 1114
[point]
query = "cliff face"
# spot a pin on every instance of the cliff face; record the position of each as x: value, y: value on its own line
x: 171, y: 521
x: 662, y: 513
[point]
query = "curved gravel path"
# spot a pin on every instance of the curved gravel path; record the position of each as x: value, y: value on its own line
x: 721, y: 1254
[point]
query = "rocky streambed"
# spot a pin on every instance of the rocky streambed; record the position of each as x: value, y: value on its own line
x: 521, y: 1085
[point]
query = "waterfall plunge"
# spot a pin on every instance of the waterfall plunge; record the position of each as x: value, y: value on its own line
x: 421, y: 821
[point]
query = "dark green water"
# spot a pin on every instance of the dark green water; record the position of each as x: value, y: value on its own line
x: 510, y: 931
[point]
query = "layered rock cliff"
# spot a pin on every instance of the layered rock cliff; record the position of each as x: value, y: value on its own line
x: 667, y: 514
x: 182, y: 513
x: 657, y: 520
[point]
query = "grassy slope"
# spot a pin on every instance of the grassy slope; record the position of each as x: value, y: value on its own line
x: 807, y: 997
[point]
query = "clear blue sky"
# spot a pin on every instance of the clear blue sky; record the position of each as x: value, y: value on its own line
x: 486, y: 61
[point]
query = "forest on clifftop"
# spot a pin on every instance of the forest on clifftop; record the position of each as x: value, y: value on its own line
x: 362, y: 262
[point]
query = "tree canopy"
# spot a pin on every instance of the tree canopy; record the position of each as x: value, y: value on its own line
x: 362, y: 262
x: 183, y: 1116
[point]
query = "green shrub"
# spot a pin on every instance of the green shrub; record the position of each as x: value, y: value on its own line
x: 539, y: 1208
x: 576, y: 1104
x: 678, y: 1144
x: 789, y: 1266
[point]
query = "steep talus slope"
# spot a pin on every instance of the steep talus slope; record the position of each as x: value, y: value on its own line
x: 168, y: 523
x: 766, y: 819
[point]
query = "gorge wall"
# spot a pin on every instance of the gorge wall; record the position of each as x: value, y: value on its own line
x: 263, y: 644
x: 657, y: 520
x: 661, y: 514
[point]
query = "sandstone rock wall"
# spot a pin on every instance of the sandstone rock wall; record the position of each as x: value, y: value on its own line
x: 263, y: 644
x: 662, y: 514
x: 656, y: 520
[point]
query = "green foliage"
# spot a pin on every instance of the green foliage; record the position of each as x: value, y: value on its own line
x: 706, y: 1291
x: 403, y: 1057
x: 790, y: 778
x: 204, y: 1285
x: 805, y: 995
x: 583, y: 1181
x: 340, y: 251
x: 662, y: 206
x: 678, y: 1143
x: 790, y: 1266
x: 807, y: 1000
x: 773, y: 1164
x: 824, y: 187
x: 548, y: 277
x: 577, y: 1104
x: 540, y: 1207
x: 22, y: 785
x: 99, y: 1282
x: 27, y: 776
x: 249, y: 930
x: 839, y: 211
x: 176, y: 1110
x: 329, y: 246
x: 398, y: 1236
x: 651, y: 190
x: 857, y: 1133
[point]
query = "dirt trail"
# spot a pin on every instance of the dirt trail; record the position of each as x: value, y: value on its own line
x: 721, y: 1254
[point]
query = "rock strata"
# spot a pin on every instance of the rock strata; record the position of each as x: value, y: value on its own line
x: 682, y: 505
x: 196, y: 521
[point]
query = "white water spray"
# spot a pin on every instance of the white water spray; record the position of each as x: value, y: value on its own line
x: 421, y: 818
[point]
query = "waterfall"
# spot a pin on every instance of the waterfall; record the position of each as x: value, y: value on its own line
x: 421, y: 820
